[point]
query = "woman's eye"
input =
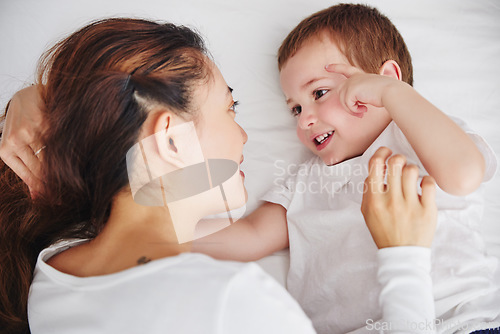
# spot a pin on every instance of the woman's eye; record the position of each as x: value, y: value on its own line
x: 319, y: 93
x: 296, y: 110
x: 233, y: 106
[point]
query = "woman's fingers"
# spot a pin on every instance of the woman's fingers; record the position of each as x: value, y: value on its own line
x: 23, y: 161
x: 376, y: 173
x: 395, y: 216
x: 428, y: 198
x: 32, y: 159
x: 409, y: 182
x: 18, y: 166
x: 394, y: 173
x: 20, y: 136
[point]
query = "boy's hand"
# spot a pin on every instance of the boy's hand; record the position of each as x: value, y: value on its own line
x: 394, y: 213
x: 19, y: 142
x: 360, y: 88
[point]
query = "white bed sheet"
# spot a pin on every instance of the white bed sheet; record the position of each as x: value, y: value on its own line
x: 455, y: 47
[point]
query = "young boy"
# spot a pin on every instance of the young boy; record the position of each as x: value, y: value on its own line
x: 346, y: 74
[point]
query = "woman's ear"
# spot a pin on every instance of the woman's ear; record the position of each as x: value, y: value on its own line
x: 176, y: 140
x: 166, y: 139
x: 391, y: 68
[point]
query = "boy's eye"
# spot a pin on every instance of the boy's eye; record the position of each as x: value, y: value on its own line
x: 296, y: 110
x: 319, y: 93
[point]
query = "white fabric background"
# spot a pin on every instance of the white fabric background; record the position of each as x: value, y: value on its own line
x: 455, y: 47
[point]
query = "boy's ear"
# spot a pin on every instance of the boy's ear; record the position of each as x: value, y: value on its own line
x: 391, y: 68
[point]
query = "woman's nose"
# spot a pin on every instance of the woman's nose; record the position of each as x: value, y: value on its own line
x: 244, y: 134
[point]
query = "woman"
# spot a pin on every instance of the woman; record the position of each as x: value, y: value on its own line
x: 106, y: 89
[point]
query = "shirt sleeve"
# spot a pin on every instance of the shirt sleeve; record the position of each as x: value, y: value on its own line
x: 256, y: 303
x: 406, y: 297
x: 282, y: 190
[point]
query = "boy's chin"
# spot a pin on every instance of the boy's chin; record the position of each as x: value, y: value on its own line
x: 330, y: 160
x: 333, y: 159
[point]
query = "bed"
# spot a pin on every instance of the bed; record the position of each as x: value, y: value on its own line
x: 455, y: 47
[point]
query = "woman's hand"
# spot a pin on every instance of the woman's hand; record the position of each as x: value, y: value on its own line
x: 396, y: 214
x: 20, y: 147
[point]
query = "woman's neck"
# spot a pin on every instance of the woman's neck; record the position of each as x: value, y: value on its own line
x: 133, y: 235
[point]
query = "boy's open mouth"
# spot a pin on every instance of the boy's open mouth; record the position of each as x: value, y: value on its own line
x: 322, y: 140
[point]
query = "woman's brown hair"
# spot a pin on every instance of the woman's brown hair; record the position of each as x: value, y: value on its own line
x: 97, y: 86
x: 365, y: 36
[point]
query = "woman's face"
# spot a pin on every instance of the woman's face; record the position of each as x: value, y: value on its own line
x: 219, y: 135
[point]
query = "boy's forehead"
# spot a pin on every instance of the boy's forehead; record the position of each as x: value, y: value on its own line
x: 314, y: 54
x: 307, y: 66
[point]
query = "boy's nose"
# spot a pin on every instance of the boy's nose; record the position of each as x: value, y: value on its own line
x: 307, y: 118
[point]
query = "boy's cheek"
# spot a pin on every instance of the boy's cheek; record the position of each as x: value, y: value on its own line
x: 302, y: 137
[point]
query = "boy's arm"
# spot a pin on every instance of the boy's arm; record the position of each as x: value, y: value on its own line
x: 261, y: 233
x: 445, y: 150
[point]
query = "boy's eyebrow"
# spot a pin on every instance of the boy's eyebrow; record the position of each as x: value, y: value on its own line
x: 310, y: 82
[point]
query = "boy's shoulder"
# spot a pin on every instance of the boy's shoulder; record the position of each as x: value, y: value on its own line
x: 393, y: 138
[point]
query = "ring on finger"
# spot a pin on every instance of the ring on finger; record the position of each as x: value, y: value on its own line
x: 39, y: 150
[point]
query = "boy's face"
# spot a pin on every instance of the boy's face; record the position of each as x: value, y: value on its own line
x: 323, y: 124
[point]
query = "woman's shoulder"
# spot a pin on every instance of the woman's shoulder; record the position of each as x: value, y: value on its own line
x: 187, y: 293
x: 60, y: 263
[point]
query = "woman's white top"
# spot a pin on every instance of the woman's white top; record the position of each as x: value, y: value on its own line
x: 193, y: 293
x: 188, y: 293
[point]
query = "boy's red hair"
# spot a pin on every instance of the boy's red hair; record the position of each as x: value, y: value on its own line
x: 365, y: 36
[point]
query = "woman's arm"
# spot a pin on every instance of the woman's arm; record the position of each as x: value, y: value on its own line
x: 402, y: 224
x: 20, y: 137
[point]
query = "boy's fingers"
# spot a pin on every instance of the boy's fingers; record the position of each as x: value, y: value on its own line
x: 344, y: 69
x: 350, y: 106
x: 376, y: 172
x: 395, y: 169
x: 357, y: 109
x: 409, y: 182
x: 428, y: 185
